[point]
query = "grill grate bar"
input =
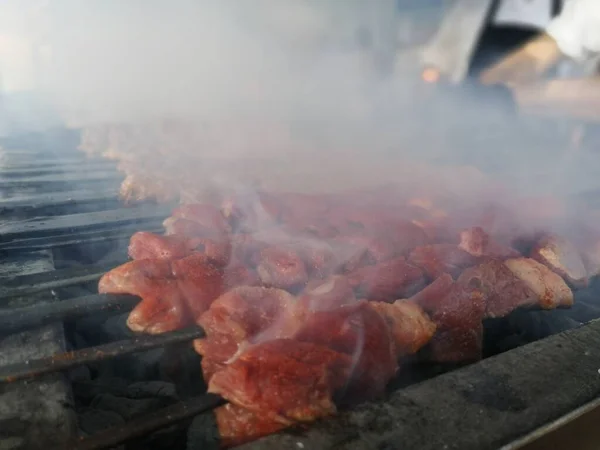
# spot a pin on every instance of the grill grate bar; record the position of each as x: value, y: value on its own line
x: 82, y: 237
x: 76, y: 176
x: 67, y: 224
x: 31, y: 203
x: 148, y: 423
x: 28, y: 317
x: 62, y: 361
x: 23, y: 285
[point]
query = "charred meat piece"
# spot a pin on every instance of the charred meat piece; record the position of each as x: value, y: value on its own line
x: 239, y: 425
x: 360, y: 332
x: 387, y: 281
x: 479, y: 244
x: 438, y: 259
x: 515, y: 283
x: 146, y: 245
x: 282, y: 267
x: 457, y: 313
x: 327, y: 294
x: 284, y: 380
x: 162, y: 308
x: 410, y: 326
x: 563, y: 258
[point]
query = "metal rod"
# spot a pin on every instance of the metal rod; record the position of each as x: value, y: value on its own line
x: 87, y: 221
x: 62, y: 361
x: 148, y: 423
x: 34, y: 316
x: 21, y: 286
x: 82, y: 237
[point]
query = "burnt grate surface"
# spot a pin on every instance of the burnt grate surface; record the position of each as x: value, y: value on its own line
x: 34, y: 415
x: 58, y: 212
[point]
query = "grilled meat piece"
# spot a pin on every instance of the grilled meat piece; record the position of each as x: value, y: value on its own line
x: 284, y: 380
x: 387, y: 281
x: 438, y: 259
x: 245, y: 316
x: 457, y: 313
x: 199, y: 282
x: 479, y: 244
x: 281, y: 267
x: 162, y: 307
x: 173, y: 293
x: 515, y: 283
x: 563, y: 258
x: 359, y: 250
x: 208, y: 217
x: 327, y: 294
x: 411, y: 328
x: 244, y: 312
x: 146, y: 245
x: 185, y: 227
x: 239, y: 274
x: 251, y: 211
x: 216, y: 249
x: 360, y: 332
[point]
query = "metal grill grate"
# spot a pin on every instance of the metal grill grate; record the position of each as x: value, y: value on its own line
x: 49, y: 201
x: 48, y: 205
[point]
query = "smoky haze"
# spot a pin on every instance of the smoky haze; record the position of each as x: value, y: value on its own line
x: 268, y: 74
x: 143, y: 60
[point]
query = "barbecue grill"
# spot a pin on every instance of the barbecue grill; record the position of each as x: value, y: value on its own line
x: 62, y: 227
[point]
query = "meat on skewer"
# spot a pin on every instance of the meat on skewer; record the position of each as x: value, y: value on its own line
x: 515, y: 283
x: 562, y: 257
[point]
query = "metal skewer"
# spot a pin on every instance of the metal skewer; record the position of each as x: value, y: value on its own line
x: 28, y: 317
x: 62, y: 361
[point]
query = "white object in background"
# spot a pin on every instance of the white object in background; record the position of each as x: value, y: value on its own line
x: 530, y: 13
x: 577, y: 29
x: 16, y: 64
x: 451, y: 48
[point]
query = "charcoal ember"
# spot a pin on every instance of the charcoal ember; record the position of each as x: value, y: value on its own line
x: 128, y: 408
x: 152, y: 389
x: 86, y: 392
x: 181, y: 366
x: 522, y: 327
x: 81, y: 373
x: 99, y: 330
x: 94, y: 420
x: 203, y: 434
x: 137, y: 366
